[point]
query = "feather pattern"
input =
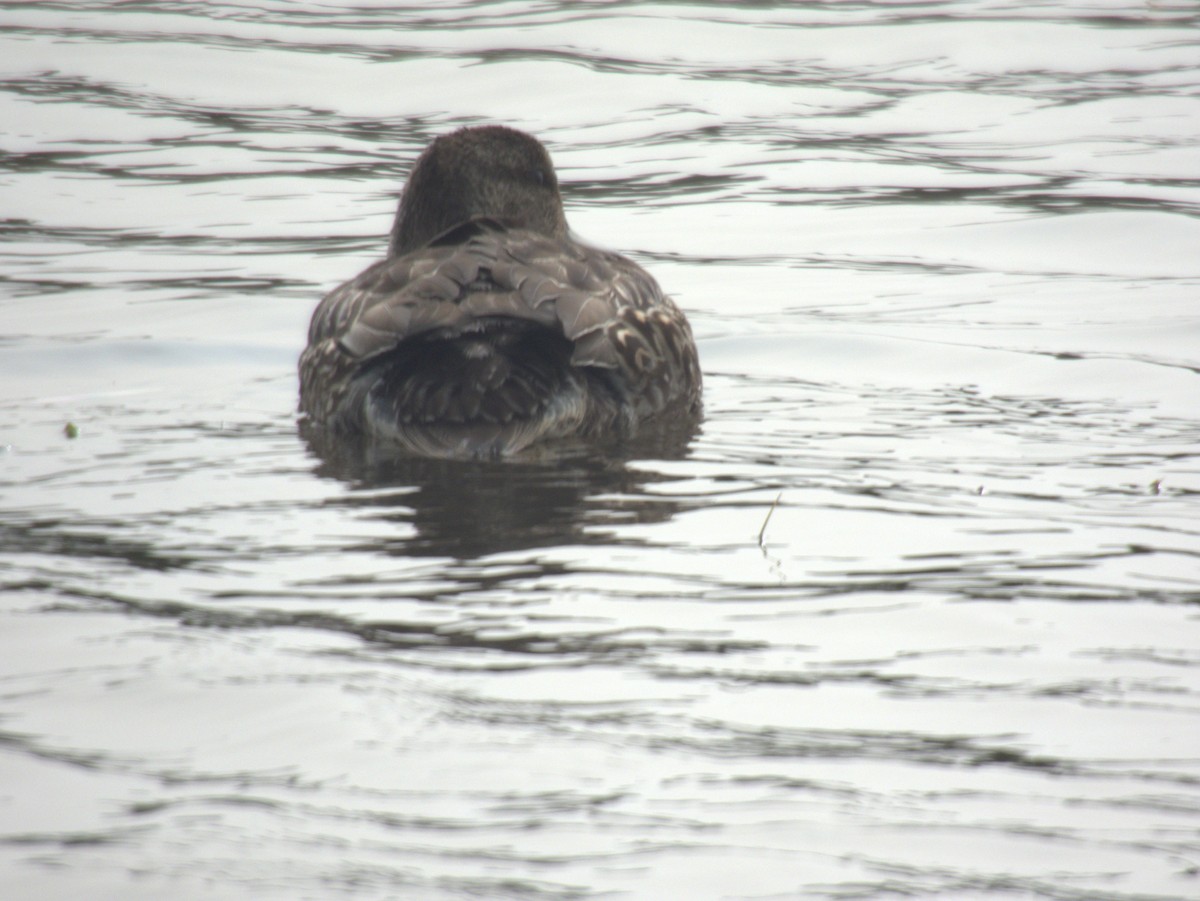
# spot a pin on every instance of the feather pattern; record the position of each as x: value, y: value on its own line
x: 492, y: 336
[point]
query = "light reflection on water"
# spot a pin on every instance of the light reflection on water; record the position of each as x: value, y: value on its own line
x: 909, y: 615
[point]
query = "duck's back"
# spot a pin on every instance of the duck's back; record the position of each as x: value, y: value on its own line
x: 490, y: 338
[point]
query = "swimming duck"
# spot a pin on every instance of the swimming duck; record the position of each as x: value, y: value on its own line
x: 489, y: 328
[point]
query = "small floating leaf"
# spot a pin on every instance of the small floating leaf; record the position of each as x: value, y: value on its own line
x: 71, y: 430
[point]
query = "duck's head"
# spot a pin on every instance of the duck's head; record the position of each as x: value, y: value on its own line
x: 487, y: 170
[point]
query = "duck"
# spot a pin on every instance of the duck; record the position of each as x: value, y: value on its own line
x: 489, y: 328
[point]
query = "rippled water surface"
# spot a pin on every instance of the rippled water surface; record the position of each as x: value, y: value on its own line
x: 913, y: 614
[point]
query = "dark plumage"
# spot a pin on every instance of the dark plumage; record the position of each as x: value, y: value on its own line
x: 489, y: 328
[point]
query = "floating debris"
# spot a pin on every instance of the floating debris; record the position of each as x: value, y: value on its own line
x: 763, y: 530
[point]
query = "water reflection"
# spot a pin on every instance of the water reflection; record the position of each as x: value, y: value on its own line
x: 569, y: 494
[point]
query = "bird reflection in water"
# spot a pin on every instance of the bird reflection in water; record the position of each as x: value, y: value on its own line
x: 563, y: 494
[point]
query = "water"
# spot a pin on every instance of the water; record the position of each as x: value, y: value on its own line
x: 912, y: 615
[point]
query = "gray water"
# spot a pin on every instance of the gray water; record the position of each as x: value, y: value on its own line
x: 912, y: 615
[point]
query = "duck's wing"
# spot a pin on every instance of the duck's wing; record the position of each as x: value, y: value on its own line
x: 635, y: 332
x: 612, y: 311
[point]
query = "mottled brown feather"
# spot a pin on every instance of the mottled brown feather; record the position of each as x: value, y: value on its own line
x: 492, y: 336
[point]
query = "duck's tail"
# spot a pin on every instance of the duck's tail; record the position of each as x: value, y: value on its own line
x: 489, y: 390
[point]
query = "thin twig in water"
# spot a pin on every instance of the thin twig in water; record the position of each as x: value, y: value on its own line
x: 763, y: 530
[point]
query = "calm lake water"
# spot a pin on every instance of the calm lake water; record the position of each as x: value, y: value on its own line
x: 912, y: 615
